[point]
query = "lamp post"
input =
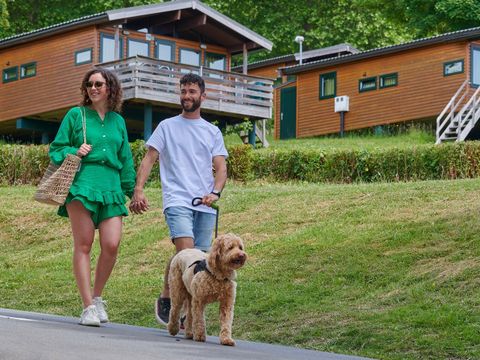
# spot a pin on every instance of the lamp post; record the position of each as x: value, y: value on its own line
x: 299, y: 39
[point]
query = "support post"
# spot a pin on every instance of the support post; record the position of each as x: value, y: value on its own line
x: 245, y: 59
x: 147, y: 121
x: 342, y: 123
x: 45, y: 138
x: 252, y: 135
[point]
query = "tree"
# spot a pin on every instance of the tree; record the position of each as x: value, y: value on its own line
x: 4, y: 23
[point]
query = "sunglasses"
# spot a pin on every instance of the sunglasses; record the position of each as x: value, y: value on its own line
x: 97, y: 84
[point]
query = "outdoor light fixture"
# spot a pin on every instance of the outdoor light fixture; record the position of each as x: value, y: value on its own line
x: 299, y: 39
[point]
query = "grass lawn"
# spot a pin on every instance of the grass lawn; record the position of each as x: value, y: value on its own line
x: 388, y: 271
x: 411, y: 138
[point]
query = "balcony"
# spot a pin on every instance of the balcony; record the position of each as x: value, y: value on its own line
x: 229, y: 94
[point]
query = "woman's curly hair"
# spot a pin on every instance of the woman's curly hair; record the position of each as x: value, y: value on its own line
x: 115, y: 96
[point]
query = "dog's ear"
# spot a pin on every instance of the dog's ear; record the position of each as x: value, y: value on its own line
x: 216, y: 253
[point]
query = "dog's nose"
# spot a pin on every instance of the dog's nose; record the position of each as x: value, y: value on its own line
x: 242, y: 256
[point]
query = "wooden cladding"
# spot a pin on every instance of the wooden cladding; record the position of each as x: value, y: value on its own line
x: 421, y: 90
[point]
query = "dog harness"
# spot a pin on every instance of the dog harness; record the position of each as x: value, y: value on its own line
x: 200, y: 265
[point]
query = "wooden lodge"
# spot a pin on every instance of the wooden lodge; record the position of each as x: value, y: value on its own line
x: 430, y: 79
x: 149, y: 47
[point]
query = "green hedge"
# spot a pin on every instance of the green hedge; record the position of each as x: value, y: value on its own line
x: 25, y: 164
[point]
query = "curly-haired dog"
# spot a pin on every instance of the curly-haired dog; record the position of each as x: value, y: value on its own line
x: 197, y: 279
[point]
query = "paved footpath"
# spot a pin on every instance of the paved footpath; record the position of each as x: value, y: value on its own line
x: 33, y: 336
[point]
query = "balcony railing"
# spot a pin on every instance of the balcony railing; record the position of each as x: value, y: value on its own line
x: 228, y: 93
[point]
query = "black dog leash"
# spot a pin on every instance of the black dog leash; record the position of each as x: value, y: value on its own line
x: 198, y: 201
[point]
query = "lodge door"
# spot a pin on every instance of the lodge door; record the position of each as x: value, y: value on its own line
x: 475, y: 65
x: 288, y: 112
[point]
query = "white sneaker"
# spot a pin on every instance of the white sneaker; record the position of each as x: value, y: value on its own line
x: 101, y: 306
x: 89, y: 316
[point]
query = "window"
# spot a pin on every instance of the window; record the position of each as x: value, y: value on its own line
x: 388, y: 80
x: 475, y: 65
x: 453, y: 67
x: 83, y: 56
x: 367, y: 84
x: 328, y: 85
x: 137, y: 47
x: 10, y: 74
x: 28, y: 70
x: 165, y: 50
x: 189, y: 57
x: 107, y: 48
x: 216, y: 61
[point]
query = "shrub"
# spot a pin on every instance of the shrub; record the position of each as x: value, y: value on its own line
x: 25, y: 164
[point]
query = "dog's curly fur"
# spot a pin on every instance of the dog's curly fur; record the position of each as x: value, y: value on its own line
x: 194, y: 291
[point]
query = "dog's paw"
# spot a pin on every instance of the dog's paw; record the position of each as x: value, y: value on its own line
x: 227, y: 341
x: 188, y: 335
x: 199, y: 337
x: 173, y: 328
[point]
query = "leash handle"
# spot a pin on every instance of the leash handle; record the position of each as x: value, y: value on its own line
x: 196, y: 201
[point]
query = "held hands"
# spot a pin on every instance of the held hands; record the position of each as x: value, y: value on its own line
x: 84, y: 150
x: 139, y: 203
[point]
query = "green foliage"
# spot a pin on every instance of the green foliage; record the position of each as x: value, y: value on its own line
x: 25, y: 164
x: 240, y: 162
x: 4, y: 23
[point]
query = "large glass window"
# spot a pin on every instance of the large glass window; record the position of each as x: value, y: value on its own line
x: 137, y: 47
x: 10, y: 74
x: 328, y: 85
x: 83, y: 56
x: 216, y: 61
x: 475, y: 65
x: 190, y: 57
x: 165, y: 50
x: 107, y: 47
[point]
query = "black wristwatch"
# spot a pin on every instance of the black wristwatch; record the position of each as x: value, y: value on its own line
x: 216, y: 193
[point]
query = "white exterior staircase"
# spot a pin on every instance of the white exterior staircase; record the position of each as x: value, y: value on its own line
x: 460, y: 116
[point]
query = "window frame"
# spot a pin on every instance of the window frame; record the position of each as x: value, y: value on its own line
x: 382, y: 78
x: 453, y: 62
x: 192, y: 50
x: 327, y: 76
x: 139, y: 41
x: 219, y: 54
x: 172, y: 44
x: 6, y: 70
x: 360, y: 81
x: 83, y: 62
x: 23, y: 66
x: 112, y: 37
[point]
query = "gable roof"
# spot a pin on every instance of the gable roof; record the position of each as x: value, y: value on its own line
x: 199, y: 21
x: 467, y: 34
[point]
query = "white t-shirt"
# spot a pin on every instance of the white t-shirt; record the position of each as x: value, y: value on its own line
x: 186, y: 148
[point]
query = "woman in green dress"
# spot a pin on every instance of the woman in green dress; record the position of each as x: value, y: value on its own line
x: 97, y: 195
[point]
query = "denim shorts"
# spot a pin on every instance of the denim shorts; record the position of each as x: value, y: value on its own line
x: 185, y: 222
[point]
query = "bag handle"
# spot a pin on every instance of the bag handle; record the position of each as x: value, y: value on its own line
x: 84, y: 125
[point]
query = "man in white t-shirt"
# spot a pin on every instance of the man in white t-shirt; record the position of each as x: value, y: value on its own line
x: 187, y: 147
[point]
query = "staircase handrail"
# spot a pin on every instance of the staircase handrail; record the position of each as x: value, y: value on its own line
x: 452, y: 106
x: 471, y: 107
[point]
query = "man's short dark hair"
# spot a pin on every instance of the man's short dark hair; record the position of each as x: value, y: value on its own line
x: 191, y: 78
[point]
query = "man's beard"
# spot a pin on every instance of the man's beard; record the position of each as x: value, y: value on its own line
x: 195, y: 105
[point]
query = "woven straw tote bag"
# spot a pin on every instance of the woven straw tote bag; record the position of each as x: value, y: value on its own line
x: 57, y: 180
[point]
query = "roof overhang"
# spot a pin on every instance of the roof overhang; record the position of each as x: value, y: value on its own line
x: 461, y: 35
x: 190, y: 18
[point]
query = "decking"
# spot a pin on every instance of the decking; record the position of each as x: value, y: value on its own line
x: 146, y: 79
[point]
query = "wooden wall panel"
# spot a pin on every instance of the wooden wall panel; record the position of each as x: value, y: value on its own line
x: 422, y: 90
x: 57, y: 83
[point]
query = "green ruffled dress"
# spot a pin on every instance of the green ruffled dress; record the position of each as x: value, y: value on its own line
x: 107, y: 173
